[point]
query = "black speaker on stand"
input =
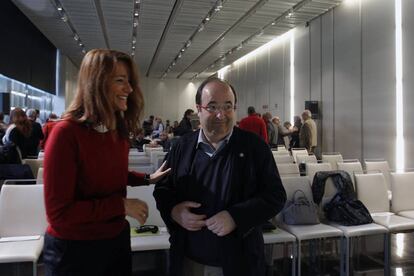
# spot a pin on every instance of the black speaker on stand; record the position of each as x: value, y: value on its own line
x: 313, y: 107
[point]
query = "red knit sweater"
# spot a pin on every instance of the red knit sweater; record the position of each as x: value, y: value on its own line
x: 85, y: 178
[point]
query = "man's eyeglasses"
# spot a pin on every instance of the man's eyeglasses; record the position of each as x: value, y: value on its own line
x: 215, y: 108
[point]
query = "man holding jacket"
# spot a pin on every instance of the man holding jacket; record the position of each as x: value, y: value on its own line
x: 223, y: 185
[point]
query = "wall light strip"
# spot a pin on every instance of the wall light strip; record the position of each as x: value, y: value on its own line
x: 400, y: 143
x: 292, y: 75
x: 20, y: 94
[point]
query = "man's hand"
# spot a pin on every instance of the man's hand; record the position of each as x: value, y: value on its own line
x: 137, y: 209
x: 221, y: 223
x: 181, y: 214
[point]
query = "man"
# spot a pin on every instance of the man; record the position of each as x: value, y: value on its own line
x: 148, y: 125
x: 282, y: 132
x: 307, y: 135
x: 254, y: 123
x: 36, y: 134
x: 271, y: 130
x: 223, y: 185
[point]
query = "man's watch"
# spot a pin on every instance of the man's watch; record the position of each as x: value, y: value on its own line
x: 147, y: 178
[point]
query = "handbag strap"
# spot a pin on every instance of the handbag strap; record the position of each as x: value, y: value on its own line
x: 294, y: 197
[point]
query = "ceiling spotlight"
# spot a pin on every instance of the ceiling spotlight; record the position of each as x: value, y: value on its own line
x: 182, y: 50
x: 273, y: 23
x: 207, y: 18
x: 59, y: 8
x: 137, y: 1
x: 173, y: 63
x: 134, y: 40
x: 133, y: 47
x: 289, y: 14
x: 219, y: 6
x: 135, y: 23
x: 136, y: 13
x: 64, y: 18
x: 80, y: 44
x: 188, y: 44
x: 179, y: 55
x: 132, y: 53
x: 239, y: 47
x: 76, y: 37
x: 201, y: 28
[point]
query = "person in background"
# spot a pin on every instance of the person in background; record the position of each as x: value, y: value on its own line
x: 223, y: 185
x: 18, y: 131
x: 148, y: 125
x: 38, y: 120
x: 185, y: 124
x: 282, y: 132
x: 271, y: 131
x: 254, y: 123
x: 308, y: 132
x: 158, y: 128
x: 47, y: 128
x: 297, y: 124
x: 36, y: 135
x: 164, y: 141
x: 139, y: 141
x: 86, y: 171
x: 3, y: 125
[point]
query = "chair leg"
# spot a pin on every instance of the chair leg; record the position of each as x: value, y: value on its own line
x: 387, y: 254
x: 34, y: 268
x: 294, y: 257
x: 299, y: 258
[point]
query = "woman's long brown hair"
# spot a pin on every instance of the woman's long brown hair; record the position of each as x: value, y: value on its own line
x: 93, y: 104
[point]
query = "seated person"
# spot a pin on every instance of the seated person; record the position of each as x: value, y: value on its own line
x: 164, y: 141
x: 139, y: 140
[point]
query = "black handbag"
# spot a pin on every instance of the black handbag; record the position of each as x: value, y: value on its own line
x: 299, y: 210
x: 347, y: 211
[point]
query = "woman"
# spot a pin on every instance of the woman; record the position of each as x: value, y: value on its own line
x: 86, y: 171
x: 18, y: 131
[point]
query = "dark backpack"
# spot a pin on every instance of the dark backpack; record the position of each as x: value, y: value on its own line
x: 343, y: 208
x: 9, y: 154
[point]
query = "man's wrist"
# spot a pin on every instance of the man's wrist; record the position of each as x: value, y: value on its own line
x: 147, y: 178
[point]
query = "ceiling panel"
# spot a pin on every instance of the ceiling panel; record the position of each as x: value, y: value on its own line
x: 109, y: 23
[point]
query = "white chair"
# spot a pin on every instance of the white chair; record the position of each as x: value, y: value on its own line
x: 297, y: 151
x: 402, y: 185
x: 139, y: 160
x: 332, y: 158
x: 350, y: 232
x: 305, y: 232
x: 283, y: 159
x: 41, y: 155
x: 279, y: 237
x: 351, y: 168
x: 281, y: 148
x: 150, y: 242
x: 302, y: 158
x: 22, y: 223
x: 34, y: 164
x: 156, y: 158
x: 379, y: 166
x: 280, y: 152
x: 313, y: 168
x: 372, y: 191
x: 288, y: 170
x: 39, y: 178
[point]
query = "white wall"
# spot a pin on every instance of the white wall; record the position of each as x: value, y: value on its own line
x: 346, y: 60
x: 168, y: 98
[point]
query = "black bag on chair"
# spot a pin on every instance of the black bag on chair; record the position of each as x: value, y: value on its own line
x: 9, y: 154
x: 347, y: 211
x: 300, y: 210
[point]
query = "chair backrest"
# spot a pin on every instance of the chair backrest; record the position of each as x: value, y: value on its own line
x: 39, y: 178
x: 380, y: 166
x: 312, y: 168
x: 145, y: 193
x: 149, y: 168
x: 280, y: 152
x: 281, y: 148
x: 291, y: 184
x: 135, y: 160
x: 283, y: 159
x: 351, y: 168
x: 297, y: 151
x: 302, y: 158
x: 288, y: 169
x: 372, y: 191
x: 332, y: 159
x: 402, y: 185
x: 34, y: 164
x: 22, y: 210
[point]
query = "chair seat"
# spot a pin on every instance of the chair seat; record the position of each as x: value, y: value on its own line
x: 278, y: 236
x: 21, y: 251
x: 360, y: 230
x: 309, y: 232
x: 393, y: 222
x: 152, y: 242
x: 407, y: 214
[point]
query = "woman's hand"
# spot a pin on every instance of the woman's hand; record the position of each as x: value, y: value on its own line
x: 159, y: 174
x: 137, y: 209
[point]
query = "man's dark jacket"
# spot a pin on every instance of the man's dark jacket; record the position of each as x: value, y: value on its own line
x: 256, y: 194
